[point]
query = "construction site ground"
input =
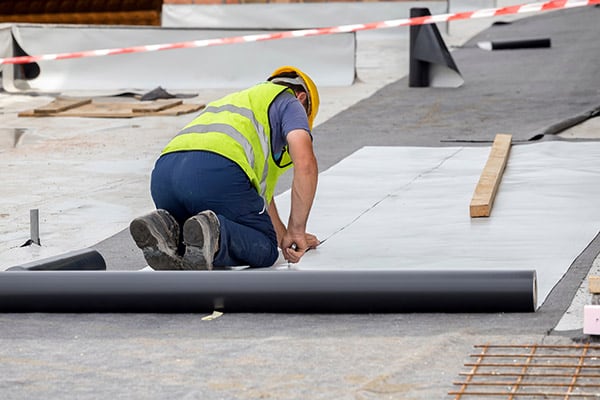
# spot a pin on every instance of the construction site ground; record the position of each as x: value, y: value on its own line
x: 54, y: 163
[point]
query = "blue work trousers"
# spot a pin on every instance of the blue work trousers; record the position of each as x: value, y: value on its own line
x: 188, y: 182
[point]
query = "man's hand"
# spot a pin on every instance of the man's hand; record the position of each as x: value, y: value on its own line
x: 312, y: 241
x: 294, y: 247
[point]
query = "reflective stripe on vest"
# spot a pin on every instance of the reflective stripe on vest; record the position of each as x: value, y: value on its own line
x: 238, y: 137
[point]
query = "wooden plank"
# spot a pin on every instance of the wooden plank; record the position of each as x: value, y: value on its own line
x: 101, y: 110
x: 594, y: 284
x: 59, y: 105
x: 119, y: 110
x: 181, y: 109
x: 489, y: 181
x: 155, y: 106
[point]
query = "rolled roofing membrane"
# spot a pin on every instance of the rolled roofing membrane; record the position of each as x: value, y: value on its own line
x: 269, y: 291
x: 78, y: 260
x: 329, y: 59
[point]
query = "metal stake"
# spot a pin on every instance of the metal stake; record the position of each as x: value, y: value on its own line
x: 34, y: 225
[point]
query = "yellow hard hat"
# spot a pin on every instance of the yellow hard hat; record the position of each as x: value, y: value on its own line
x: 304, y: 81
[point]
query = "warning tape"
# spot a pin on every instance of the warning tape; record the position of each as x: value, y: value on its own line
x: 483, y: 13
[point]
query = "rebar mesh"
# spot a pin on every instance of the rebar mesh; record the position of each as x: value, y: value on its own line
x: 531, y: 372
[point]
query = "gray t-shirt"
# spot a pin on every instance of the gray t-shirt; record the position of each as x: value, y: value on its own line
x: 285, y: 114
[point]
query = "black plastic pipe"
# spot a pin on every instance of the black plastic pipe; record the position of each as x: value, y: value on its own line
x: 289, y: 291
x: 516, y: 44
x: 78, y: 260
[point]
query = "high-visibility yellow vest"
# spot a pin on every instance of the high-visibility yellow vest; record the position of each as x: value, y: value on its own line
x: 237, y: 127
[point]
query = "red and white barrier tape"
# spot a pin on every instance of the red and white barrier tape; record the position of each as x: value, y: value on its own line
x: 484, y: 13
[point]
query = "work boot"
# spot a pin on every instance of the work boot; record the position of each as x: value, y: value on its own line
x: 201, y: 238
x: 157, y: 234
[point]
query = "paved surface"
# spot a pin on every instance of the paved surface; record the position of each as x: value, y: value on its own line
x: 399, y: 356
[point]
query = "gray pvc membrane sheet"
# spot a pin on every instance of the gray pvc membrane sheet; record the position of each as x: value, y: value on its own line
x: 405, y: 210
x: 408, y: 208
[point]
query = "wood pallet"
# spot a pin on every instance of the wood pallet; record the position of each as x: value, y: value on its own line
x: 63, y: 107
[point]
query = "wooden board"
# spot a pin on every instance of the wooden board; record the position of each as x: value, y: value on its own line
x: 156, y: 105
x: 58, y: 105
x: 103, y: 109
x: 489, y: 181
x: 594, y: 284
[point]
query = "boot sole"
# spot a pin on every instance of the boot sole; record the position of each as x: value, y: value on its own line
x: 195, y: 230
x: 157, y: 255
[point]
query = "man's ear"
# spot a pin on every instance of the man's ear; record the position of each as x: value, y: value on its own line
x: 302, y: 97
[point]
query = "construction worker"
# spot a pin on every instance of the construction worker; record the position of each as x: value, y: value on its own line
x: 213, y: 183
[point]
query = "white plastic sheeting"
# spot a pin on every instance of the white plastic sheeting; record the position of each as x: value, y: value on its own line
x: 329, y: 59
x: 290, y: 15
x: 408, y: 208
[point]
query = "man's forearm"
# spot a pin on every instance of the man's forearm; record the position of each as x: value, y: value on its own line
x: 304, y: 187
